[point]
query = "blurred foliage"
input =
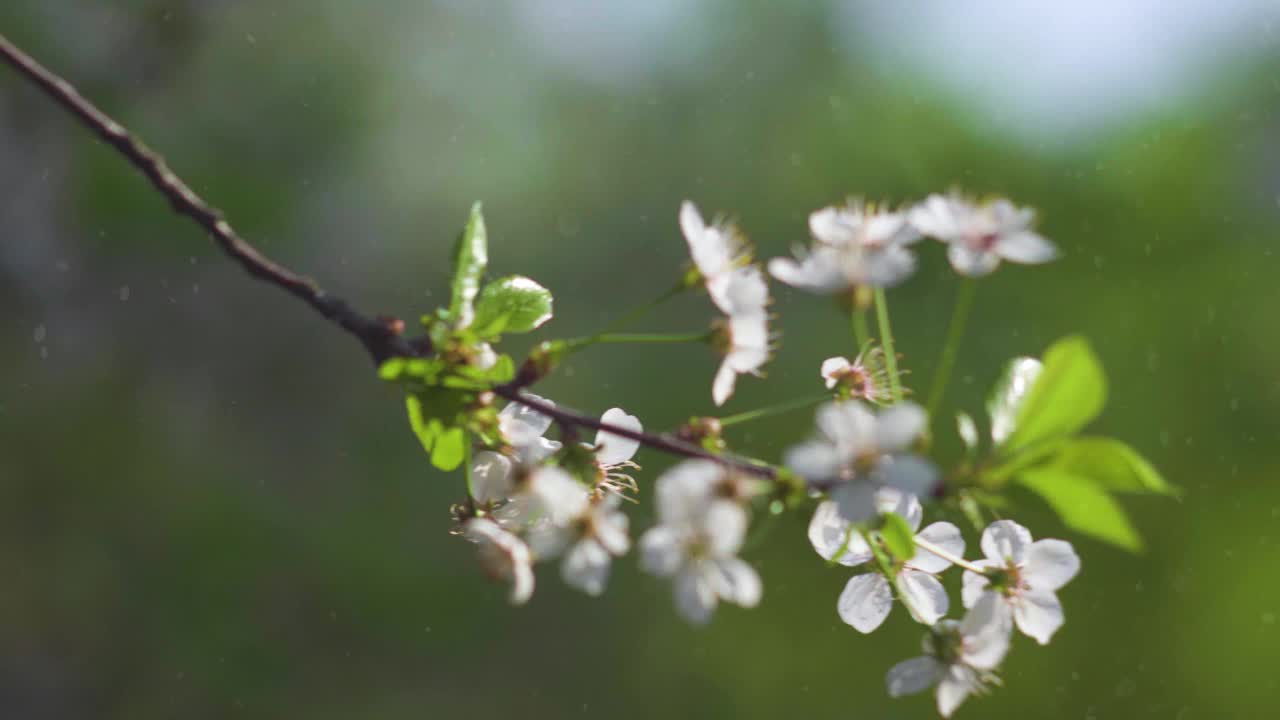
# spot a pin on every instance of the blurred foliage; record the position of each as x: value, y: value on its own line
x: 210, y: 506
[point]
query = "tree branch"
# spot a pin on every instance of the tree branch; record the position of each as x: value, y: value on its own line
x: 381, y: 336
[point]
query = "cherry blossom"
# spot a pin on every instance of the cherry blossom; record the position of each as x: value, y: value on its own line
x: 503, y: 555
x: 588, y: 543
x: 979, y: 236
x: 959, y: 658
x: 743, y: 336
x: 854, y: 246
x: 856, y: 452
x: 867, y: 598
x: 863, y: 378
x: 697, y: 540
x: 1024, y: 575
x: 716, y: 250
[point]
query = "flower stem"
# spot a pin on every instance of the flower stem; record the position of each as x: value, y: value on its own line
x: 886, y: 341
x: 466, y: 464
x: 953, y: 559
x: 955, y: 331
x: 758, y: 413
x: 858, y: 328
x: 636, y: 338
x: 636, y: 313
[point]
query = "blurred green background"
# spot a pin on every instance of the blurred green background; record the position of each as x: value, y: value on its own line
x: 209, y: 506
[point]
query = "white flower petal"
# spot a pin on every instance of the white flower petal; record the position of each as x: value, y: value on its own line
x: 744, y: 292
x: 490, y: 477
x: 856, y: 500
x: 520, y: 424
x: 832, y: 369
x: 849, y: 425
x: 945, y: 536
x: 737, y: 582
x: 1006, y: 542
x: 937, y: 217
x: 974, y: 585
x: 865, y: 601
x: 888, y: 267
x: 899, y: 426
x: 558, y: 496
x: 722, y: 385
x: 504, y: 556
x: 1038, y: 614
x: 923, y: 595
x: 912, y: 676
x: 903, y: 504
x: 828, y: 533
x: 683, y: 491
x: 910, y: 473
x: 586, y: 567
x: 616, y: 449
x: 970, y: 262
x: 957, y: 683
x: 986, y: 629
x: 695, y: 597
x: 834, y: 226
x: 611, y: 531
x: 725, y: 524
x: 1025, y: 247
x: 660, y: 551
x: 1049, y: 564
x: 814, y: 460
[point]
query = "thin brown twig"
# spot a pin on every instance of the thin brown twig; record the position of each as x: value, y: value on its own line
x: 381, y: 336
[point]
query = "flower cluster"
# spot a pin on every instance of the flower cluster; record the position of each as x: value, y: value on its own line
x: 868, y: 469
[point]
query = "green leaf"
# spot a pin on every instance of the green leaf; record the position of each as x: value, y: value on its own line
x: 1083, y: 506
x: 1067, y: 393
x: 1110, y: 464
x: 512, y: 304
x: 470, y: 258
x: 1007, y: 395
x: 897, y: 536
x: 421, y: 425
x: 450, y: 448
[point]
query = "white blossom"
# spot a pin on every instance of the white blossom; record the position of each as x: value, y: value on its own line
x: 587, y: 544
x: 743, y: 337
x: 503, y: 555
x: 697, y: 541
x: 863, y: 378
x: 716, y: 249
x: 854, y: 246
x: 959, y: 658
x: 868, y: 598
x: 613, y: 453
x: 1027, y: 577
x: 979, y: 236
x: 856, y: 452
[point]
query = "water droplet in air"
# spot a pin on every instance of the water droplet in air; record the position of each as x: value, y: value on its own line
x: 41, y: 333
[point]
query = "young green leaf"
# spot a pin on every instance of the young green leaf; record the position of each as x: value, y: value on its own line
x: 897, y: 536
x: 1069, y: 391
x: 450, y: 448
x: 1007, y: 395
x: 419, y: 423
x: 1083, y: 506
x: 1110, y: 464
x: 513, y: 304
x: 470, y: 258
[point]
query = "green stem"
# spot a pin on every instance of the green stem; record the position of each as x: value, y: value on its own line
x: 466, y: 464
x: 955, y: 331
x: 750, y: 415
x: 638, y: 312
x: 886, y: 341
x: 858, y: 327
x: 635, y: 338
